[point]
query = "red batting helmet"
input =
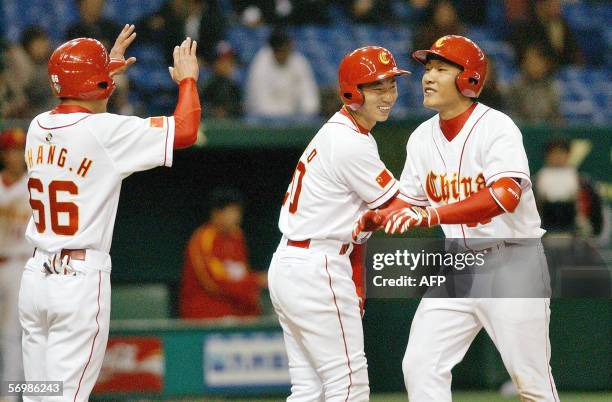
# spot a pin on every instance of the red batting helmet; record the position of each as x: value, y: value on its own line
x: 361, y: 66
x: 12, y: 138
x: 80, y: 69
x: 465, y: 53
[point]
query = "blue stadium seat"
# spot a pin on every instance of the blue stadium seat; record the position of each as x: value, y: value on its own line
x: 146, y: 53
x: 247, y: 41
x: 130, y: 11
x: 591, y: 42
x: 608, y: 41
x: 578, y: 15
x: 20, y: 15
x: 481, y: 34
x: 586, y: 94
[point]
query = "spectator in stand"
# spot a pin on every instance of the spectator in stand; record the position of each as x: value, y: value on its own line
x: 217, y: 281
x: 280, y: 82
x: 492, y: 94
x: 546, y: 27
x: 13, y: 102
x: 93, y: 25
x: 201, y: 20
x: 221, y: 95
x: 440, y: 20
x: 254, y: 13
x: 369, y: 11
x: 30, y: 67
x: 534, y: 97
x: 556, y: 188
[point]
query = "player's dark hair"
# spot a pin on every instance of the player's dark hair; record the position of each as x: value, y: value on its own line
x: 223, y: 196
x: 31, y: 34
x: 558, y: 143
x: 431, y: 56
x: 278, y: 38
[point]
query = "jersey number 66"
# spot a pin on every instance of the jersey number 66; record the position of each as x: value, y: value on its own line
x: 55, y: 207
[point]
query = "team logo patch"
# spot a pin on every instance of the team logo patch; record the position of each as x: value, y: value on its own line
x: 384, y: 178
x: 157, y: 121
x: 384, y: 57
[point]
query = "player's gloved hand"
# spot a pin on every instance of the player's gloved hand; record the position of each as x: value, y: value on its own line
x: 400, y: 221
x: 118, y: 64
x: 368, y: 222
x: 185, y: 61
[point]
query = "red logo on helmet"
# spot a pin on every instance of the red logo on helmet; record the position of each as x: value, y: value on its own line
x: 466, y: 54
x: 361, y: 66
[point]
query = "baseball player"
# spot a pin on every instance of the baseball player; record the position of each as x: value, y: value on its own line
x: 466, y: 170
x: 14, y: 249
x: 338, y: 176
x: 77, y: 155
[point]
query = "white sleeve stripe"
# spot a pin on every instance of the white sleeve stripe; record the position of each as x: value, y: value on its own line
x: 384, y: 197
x: 510, y: 174
x: 496, y: 200
x: 414, y: 201
x: 169, y: 147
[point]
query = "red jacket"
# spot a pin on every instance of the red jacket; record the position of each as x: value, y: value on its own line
x: 216, y: 279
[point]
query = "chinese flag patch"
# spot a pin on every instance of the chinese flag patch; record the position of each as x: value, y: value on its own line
x: 384, y: 178
x: 157, y: 122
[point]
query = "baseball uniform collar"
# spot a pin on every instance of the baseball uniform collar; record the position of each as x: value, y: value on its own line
x: 451, y: 127
x: 359, y: 128
x: 65, y: 109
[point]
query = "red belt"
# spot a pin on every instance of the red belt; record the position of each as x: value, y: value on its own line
x: 74, y: 254
x: 306, y: 244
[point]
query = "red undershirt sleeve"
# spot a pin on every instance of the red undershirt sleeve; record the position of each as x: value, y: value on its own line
x: 187, y: 114
x: 476, y: 208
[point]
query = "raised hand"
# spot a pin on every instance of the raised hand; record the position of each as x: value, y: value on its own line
x: 118, y: 63
x: 185, y: 61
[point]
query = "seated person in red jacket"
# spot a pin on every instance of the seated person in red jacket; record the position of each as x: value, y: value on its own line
x: 217, y: 281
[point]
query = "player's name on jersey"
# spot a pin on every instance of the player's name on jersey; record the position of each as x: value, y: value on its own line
x: 54, y: 155
x: 444, y: 187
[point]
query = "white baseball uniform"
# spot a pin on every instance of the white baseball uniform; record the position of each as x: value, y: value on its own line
x: 76, y: 162
x: 439, y: 172
x: 338, y: 176
x: 14, y: 252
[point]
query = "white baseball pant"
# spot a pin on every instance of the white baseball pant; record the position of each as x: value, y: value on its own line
x: 315, y: 298
x: 65, y: 322
x: 443, y: 329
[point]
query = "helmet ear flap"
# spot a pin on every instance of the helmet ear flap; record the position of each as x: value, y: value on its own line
x: 469, y: 83
x: 98, y: 87
x: 352, y: 96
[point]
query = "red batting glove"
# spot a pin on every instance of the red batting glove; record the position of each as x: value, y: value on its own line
x: 400, y: 221
x: 368, y: 221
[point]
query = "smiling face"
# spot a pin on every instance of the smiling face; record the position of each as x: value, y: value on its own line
x: 439, y: 89
x: 379, y: 98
